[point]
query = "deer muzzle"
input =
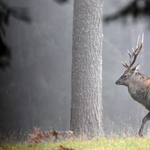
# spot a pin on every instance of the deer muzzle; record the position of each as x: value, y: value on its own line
x: 117, y: 82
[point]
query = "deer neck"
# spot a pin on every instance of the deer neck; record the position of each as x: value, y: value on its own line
x: 138, y: 82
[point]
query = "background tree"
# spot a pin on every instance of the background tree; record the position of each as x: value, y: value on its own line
x: 5, y: 13
x: 86, y: 106
x: 61, y: 1
x: 136, y: 8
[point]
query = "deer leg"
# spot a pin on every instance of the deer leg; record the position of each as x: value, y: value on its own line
x: 145, y: 119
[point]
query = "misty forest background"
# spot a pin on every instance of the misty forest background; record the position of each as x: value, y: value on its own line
x: 36, y: 89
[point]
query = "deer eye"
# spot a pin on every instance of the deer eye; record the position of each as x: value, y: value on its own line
x: 125, y: 76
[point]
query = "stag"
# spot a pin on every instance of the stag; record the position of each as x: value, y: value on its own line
x: 138, y: 85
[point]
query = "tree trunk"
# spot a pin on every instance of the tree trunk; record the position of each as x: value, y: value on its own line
x: 86, y: 106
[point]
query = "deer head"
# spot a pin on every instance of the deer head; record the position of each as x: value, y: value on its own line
x: 130, y: 73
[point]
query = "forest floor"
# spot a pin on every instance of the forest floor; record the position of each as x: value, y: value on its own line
x: 103, y: 143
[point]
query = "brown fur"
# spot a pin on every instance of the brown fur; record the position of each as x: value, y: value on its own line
x: 139, y: 88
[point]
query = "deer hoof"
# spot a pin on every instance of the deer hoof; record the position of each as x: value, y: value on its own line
x: 140, y: 135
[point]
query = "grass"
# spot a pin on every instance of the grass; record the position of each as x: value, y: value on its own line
x: 132, y: 143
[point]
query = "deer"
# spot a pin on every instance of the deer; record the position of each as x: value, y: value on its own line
x: 138, y: 85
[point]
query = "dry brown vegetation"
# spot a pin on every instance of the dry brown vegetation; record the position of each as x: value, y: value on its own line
x: 37, y: 136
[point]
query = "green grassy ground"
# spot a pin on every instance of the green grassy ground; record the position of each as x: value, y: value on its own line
x: 97, y: 144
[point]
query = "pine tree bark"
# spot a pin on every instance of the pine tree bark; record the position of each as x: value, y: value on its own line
x: 86, y: 105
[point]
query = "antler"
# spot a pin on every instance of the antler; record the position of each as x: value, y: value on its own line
x: 133, y: 56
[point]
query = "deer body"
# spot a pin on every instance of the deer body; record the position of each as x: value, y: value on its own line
x: 142, y: 93
x: 139, y: 89
x: 138, y: 85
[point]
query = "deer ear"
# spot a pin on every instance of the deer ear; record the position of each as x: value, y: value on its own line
x: 136, y: 68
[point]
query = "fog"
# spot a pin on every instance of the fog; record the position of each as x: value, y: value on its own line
x: 36, y: 90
